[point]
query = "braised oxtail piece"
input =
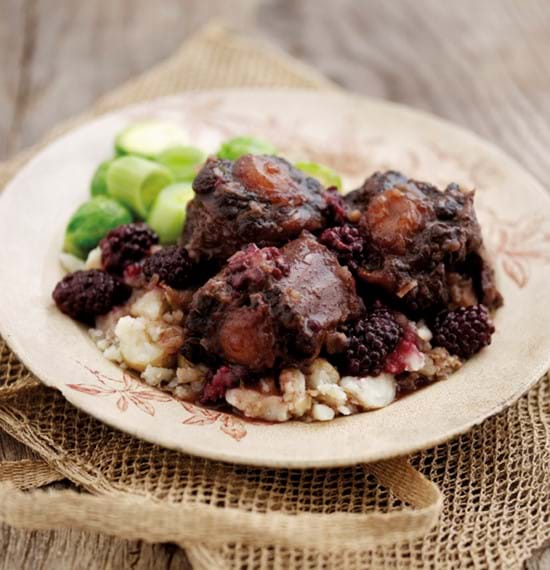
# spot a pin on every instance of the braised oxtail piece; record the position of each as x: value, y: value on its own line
x: 271, y: 306
x: 420, y: 247
x: 255, y: 199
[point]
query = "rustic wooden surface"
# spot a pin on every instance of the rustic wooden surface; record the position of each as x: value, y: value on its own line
x: 485, y: 65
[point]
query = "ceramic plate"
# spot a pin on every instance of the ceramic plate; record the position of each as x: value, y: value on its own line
x: 353, y: 135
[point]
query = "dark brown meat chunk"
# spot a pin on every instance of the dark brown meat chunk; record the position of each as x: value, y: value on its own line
x: 256, y: 199
x: 420, y: 244
x: 270, y: 307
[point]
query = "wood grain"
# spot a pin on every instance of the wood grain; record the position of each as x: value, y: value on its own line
x: 11, y: 53
x: 58, y: 56
x: 485, y: 65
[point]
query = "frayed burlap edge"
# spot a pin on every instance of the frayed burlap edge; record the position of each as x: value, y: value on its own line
x: 135, y: 517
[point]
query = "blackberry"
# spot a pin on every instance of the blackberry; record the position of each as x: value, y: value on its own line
x: 347, y: 243
x: 219, y: 382
x: 463, y: 332
x: 125, y: 245
x: 250, y: 268
x: 84, y: 295
x: 370, y: 341
x: 337, y: 208
x: 172, y: 265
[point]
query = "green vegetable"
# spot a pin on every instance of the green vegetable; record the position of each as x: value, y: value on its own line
x: 91, y: 222
x: 326, y: 176
x: 182, y: 161
x: 149, y: 138
x: 98, y: 186
x: 136, y: 182
x: 236, y: 147
x: 168, y: 213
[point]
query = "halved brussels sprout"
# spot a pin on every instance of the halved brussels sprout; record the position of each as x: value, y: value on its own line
x: 91, y: 222
x: 236, y: 147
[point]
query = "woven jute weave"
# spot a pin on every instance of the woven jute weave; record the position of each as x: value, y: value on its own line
x: 495, y: 480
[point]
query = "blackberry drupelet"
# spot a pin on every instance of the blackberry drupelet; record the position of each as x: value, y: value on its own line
x: 126, y: 245
x: 172, y: 265
x: 346, y: 242
x: 85, y: 295
x: 337, y: 209
x: 464, y: 332
x: 371, y: 340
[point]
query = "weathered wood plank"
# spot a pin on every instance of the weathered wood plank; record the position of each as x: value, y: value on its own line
x: 79, y: 50
x: 540, y: 559
x: 12, y: 29
x: 73, y: 52
x: 481, y: 64
x: 68, y: 550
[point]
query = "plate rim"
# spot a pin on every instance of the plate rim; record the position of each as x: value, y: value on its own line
x: 219, y: 454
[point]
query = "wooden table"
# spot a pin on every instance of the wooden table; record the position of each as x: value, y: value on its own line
x: 485, y: 65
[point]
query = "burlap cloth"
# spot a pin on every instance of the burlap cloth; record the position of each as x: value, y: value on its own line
x: 494, y: 480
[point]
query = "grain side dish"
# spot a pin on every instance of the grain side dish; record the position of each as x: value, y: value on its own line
x: 244, y: 282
